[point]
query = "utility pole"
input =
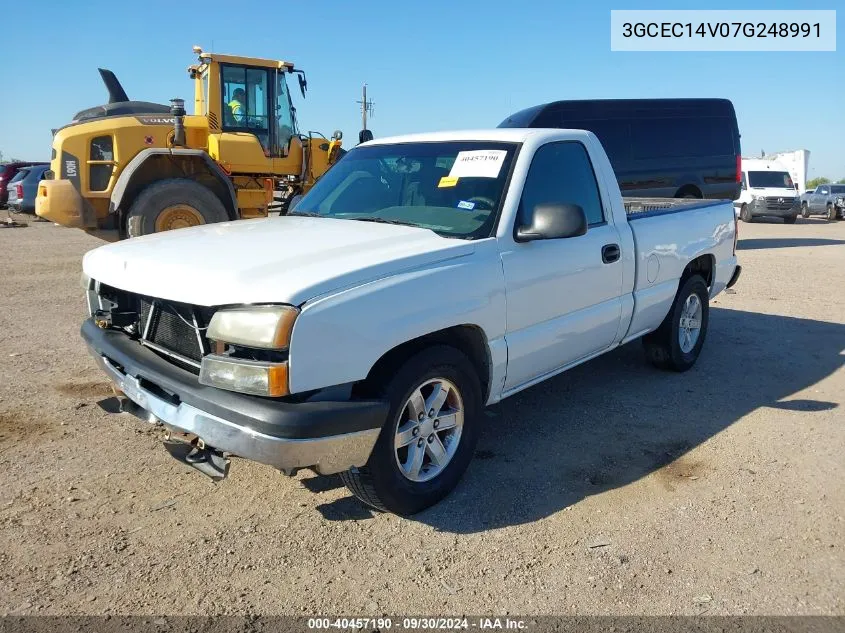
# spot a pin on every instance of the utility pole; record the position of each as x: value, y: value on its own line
x: 366, y: 108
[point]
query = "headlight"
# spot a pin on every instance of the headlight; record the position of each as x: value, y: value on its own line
x: 267, y: 327
x: 245, y: 376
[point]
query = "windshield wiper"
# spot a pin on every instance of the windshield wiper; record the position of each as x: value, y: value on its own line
x: 307, y: 214
x: 382, y: 221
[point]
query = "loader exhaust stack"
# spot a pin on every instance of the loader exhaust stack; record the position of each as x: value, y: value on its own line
x: 177, y: 109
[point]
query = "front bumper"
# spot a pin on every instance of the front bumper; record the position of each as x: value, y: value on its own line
x: 328, y: 436
x: 734, y: 277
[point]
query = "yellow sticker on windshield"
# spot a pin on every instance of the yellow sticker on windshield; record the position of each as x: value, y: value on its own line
x: 447, y: 181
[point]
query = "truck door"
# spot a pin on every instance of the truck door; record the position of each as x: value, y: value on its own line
x: 563, y: 296
x: 819, y: 199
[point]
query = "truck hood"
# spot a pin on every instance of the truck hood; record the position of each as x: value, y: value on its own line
x: 269, y: 260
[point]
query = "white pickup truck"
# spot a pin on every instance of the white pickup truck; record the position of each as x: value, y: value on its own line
x: 422, y: 278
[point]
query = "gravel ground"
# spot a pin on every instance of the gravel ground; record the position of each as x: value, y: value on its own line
x: 611, y: 489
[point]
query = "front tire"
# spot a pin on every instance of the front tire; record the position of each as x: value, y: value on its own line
x: 418, y: 459
x: 744, y: 213
x: 790, y: 219
x: 677, y: 343
x: 173, y: 204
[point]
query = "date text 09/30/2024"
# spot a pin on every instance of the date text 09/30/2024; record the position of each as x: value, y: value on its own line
x: 417, y: 623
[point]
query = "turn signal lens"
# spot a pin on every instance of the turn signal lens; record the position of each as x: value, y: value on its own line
x: 245, y: 376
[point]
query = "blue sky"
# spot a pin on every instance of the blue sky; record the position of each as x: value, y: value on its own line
x: 428, y: 65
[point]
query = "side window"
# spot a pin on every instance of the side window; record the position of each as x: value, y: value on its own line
x: 283, y: 112
x: 559, y: 173
x: 205, y: 81
x: 245, y: 99
x: 99, y: 174
x: 682, y: 137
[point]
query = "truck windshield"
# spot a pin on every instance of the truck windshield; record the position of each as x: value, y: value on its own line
x: 453, y: 188
x: 774, y: 179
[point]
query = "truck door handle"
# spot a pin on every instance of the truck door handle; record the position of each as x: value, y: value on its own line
x: 610, y: 253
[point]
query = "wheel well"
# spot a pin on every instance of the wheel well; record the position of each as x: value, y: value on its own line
x: 469, y: 339
x: 689, y: 190
x: 163, y: 166
x: 702, y: 265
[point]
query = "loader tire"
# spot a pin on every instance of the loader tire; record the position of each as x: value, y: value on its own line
x: 392, y: 480
x: 676, y: 344
x: 173, y: 204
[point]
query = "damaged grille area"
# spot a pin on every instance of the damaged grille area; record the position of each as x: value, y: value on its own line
x: 174, y: 330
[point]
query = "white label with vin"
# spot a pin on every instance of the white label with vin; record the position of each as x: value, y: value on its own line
x: 481, y: 163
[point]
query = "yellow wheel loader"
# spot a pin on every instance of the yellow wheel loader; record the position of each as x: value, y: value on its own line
x: 129, y: 168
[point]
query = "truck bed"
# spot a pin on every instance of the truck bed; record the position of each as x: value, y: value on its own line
x: 636, y: 208
x: 668, y: 234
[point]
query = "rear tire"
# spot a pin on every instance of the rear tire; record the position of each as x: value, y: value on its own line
x: 832, y: 214
x: 381, y: 483
x: 805, y: 210
x: 664, y: 346
x: 171, y: 204
x: 689, y: 193
x: 744, y: 213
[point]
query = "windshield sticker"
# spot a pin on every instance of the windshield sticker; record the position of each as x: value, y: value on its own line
x: 463, y: 204
x: 447, y: 181
x: 483, y: 163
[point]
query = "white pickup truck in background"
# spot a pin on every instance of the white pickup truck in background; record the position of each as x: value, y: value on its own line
x: 421, y: 279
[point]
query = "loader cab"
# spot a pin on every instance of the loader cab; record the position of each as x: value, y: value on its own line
x: 250, y: 113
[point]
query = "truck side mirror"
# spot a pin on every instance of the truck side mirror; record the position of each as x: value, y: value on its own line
x: 552, y: 221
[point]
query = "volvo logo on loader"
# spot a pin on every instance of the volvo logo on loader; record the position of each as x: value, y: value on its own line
x: 156, y: 120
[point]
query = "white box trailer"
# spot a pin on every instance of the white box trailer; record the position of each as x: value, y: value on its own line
x: 796, y: 163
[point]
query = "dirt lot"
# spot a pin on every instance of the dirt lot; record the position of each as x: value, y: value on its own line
x: 612, y: 489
